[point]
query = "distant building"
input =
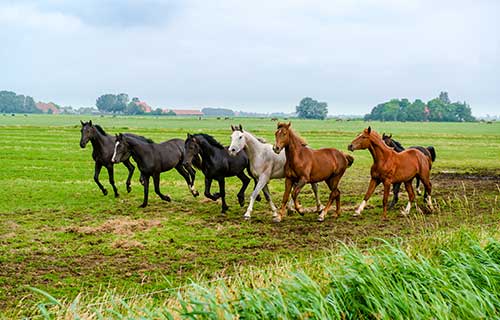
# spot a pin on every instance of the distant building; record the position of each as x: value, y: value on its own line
x: 45, y: 107
x: 181, y: 112
x: 144, y: 106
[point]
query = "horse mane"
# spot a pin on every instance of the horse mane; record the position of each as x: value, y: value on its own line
x: 141, y: 138
x: 261, y: 140
x: 397, y: 144
x: 302, y: 141
x: 211, y: 140
x: 100, y: 129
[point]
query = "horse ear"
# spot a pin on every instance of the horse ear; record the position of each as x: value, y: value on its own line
x: 189, y: 135
x: 232, y: 128
x: 82, y: 123
x: 390, y: 136
x: 90, y: 123
x: 288, y: 124
x: 240, y: 128
x: 369, y: 130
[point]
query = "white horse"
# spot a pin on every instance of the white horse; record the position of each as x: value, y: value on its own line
x: 265, y: 165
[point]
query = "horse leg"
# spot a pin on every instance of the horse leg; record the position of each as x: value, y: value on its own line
x: 418, y: 187
x: 428, y: 189
x: 395, y: 192
x: 192, y: 175
x: 241, y: 194
x: 267, y: 194
x: 156, y: 182
x: 411, y: 197
x: 387, y: 190
x: 286, y: 195
x: 145, y: 180
x: 371, y: 188
x: 97, y: 171
x: 255, y: 181
x: 262, y: 182
x: 185, y: 174
x: 319, y: 206
x: 111, y: 176
x: 222, y: 192
x: 208, y: 184
x: 131, y: 169
x: 332, y: 183
x: 295, y: 194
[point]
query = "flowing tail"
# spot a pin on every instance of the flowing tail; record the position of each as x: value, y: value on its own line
x: 432, y: 151
x: 350, y: 159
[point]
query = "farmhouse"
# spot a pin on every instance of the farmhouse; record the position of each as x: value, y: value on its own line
x: 47, y: 107
x: 181, y: 112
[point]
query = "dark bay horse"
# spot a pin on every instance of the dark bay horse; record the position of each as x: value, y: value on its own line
x: 305, y: 165
x: 102, y: 150
x: 153, y: 159
x: 216, y: 164
x: 391, y: 167
x: 429, y: 151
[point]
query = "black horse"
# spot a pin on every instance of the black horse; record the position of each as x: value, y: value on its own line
x: 429, y: 151
x: 103, y: 145
x: 153, y: 159
x: 216, y: 164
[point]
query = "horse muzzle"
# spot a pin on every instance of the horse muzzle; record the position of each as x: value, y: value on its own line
x: 276, y: 149
x: 350, y: 147
x: 232, y: 152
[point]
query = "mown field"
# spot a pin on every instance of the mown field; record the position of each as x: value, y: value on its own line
x: 58, y: 233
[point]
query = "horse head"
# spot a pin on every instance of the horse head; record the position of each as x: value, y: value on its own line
x: 191, y: 149
x: 238, y: 140
x: 362, y: 141
x: 87, y: 131
x: 121, y: 148
x: 282, y: 136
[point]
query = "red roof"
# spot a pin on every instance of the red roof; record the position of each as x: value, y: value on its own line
x: 144, y: 106
x: 45, y: 107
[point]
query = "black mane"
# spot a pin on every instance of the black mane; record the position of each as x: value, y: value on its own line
x: 397, y: 145
x: 100, y: 129
x: 141, y: 138
x: 211, y: 140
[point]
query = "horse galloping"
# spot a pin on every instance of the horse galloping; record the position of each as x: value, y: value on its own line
x: 391, y: 167
x: 153, y: 159
x: 305, y: 165
x: 216, y: 164
x: 429, y: 151
x: 265, y: 165
x: 102, y: 152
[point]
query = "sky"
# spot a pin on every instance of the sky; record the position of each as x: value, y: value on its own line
x: 255, y: 56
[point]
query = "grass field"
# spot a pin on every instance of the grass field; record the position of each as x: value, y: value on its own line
x: 58, y: 233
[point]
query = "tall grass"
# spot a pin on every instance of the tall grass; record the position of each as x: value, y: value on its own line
x: 459, y: 280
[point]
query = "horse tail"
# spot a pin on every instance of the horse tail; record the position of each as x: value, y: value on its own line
x: 350, y: 159
x: 432, y: 151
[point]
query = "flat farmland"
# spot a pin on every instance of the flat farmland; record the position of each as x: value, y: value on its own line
x: 60, y: 234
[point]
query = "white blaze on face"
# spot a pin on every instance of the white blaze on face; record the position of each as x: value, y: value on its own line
x: 113, y: 159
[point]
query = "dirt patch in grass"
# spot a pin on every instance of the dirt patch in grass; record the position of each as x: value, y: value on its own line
x: 118, y: 226
x: 127, y: 244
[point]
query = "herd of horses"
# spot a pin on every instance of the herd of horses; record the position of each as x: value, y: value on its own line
x: 289, y: 157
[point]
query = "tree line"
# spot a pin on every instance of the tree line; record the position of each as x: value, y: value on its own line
x: 437, y: 109
x: 10, y: 102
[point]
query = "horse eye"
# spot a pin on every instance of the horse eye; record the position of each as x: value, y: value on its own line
x: 241, y: 137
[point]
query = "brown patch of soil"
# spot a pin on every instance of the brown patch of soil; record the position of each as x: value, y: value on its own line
x: 127, y: 244
x: 119, y: 226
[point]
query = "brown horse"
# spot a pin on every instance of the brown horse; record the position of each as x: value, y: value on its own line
x: 305, y: 165
x: 391, y: 167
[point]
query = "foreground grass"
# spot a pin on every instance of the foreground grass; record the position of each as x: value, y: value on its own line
x: 448, y: 276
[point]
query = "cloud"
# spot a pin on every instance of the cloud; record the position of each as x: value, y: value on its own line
x: 259, y: 55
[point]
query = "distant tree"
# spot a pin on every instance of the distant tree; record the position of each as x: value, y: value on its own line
x: 170, y: 113
x: 309, y: 108
x: 10, y: 102
x: 157, y: 112
x: 112, y: 103
x: 218, y: 112
x: 133, y: 108
x: 443, y: 96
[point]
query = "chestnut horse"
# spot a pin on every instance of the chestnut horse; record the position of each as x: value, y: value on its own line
x: 391, y: 167
x: 305, y: 165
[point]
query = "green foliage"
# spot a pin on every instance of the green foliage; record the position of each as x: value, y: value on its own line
x: 134, y: 109
x: 112, y: 103
x: 438, y: 109
x: 10, y: 102
x: 218, y: 112
x: 157, y: 112
x: 312, y: 109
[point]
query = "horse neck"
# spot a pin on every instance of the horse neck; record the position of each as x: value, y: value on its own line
x: 206, y: 149
x: 253, y: 147
x: 133, y: 148
x: 294, y: 146
x: 99, y: 140
x: 379, y: 150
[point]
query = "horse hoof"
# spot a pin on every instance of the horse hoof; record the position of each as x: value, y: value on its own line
x: 245, y: 217
x: 241, y: 202
x: 195, y: 194
x: 143, y: 205
x: 117, y: 195
x: 216, y: 196
x: 258, y: 198
x: 321, y: 219
x: 276, y: 219
x: 166, y: 198
x: 356, y: 214
x: 301, y: 212
x: 129, y: 189
x: 105, y: 192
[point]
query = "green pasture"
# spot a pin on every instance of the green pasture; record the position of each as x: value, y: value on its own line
x: 60, y: 234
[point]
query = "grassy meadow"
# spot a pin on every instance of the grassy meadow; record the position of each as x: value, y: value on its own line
x: 87, y: 252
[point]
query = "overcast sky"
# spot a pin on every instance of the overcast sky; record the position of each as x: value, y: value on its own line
x: 258, y: 55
